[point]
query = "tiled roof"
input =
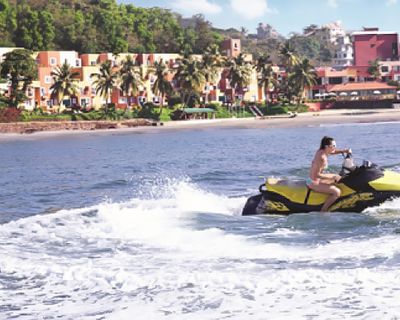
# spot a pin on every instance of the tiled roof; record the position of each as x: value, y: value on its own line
x: 353, y: 86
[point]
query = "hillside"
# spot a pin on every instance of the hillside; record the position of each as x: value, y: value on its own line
x: 92, y: 26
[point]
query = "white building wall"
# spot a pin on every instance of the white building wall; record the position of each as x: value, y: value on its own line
x: 71, y: 57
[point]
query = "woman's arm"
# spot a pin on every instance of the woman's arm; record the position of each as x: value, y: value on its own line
x: 341, y: 151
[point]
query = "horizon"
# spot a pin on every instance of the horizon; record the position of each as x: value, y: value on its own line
x: 226, y: 14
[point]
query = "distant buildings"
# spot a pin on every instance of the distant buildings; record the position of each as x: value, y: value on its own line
x: 328, y: 33
x: 344, y: 52
x: 266, y: 31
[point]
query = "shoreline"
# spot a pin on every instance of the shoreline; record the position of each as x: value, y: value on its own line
x: 325, y: 117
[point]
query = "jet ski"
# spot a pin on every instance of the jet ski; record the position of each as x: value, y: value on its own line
x: 361, y: 187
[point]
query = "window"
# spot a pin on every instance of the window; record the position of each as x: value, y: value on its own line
x: 384, y: 68
x: 335, y: 80
x: 53, y: 61
x: 395, y: 50
x: 67, y: 102
x: 93, y: 63
x: 84, y: 102
x: 47, y: 79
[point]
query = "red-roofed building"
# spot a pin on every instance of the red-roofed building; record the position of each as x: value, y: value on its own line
x: 364, y: 91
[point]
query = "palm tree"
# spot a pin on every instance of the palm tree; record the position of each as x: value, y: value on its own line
x: 266, y: 75
x: 373, y: 69
x: 289, y: 56
x: 212, y: 63
x: 131, y: 78
x: 302, y: 76
x: 190, y: 78
x: 239, y: 73
x: 105, y: 81
x: 64, y: 82
x: 161, y: 86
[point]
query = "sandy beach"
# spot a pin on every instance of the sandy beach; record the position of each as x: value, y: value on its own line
x: 326, y: 117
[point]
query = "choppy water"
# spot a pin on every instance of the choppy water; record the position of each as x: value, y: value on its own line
x: 148, y: 226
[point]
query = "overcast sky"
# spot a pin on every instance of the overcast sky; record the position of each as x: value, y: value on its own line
x: 287, y: 15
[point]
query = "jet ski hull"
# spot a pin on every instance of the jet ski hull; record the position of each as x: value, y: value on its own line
x: 364, y: 187
x: 269, y: 203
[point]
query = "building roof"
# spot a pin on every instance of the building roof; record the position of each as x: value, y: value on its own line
x: 354, y: 86
x: 360, y: 33
x: 331, y: 73
x: 198, y: 110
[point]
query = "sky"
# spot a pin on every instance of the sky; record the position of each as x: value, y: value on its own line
x: 286, y: 16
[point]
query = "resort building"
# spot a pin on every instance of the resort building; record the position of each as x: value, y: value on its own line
x: 389, y: 70
x: 371, y: 44
x: 364, y: 91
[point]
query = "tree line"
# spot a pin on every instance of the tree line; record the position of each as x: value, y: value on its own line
x: 94, y: 26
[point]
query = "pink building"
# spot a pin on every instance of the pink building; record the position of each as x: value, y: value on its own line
x: 371, y: 44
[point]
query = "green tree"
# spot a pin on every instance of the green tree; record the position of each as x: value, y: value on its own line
x: 266, y: 75
x: 239, y: 73
x: 64, y: 83
x: 35, y: 29
x: 8, y: 23
x: 130, y: 78
x: 105, y: 81
x: 303, y: 76
x: 161, y: 86
x: 288, y: 55
x: 374, y: 69
x: 212, y: 63
x: 190, y: 78
x: 20, y: 68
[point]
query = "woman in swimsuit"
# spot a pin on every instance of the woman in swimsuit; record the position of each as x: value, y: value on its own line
x: 325, y: 182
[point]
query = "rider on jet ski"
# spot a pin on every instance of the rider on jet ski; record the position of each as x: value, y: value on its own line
x: 324, y: 182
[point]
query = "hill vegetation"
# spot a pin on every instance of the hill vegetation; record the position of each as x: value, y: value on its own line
x: 93, y: 26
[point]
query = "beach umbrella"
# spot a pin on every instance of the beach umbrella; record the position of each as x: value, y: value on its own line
x: 376, y: 92
x: 317, y: 95
x: 343, y: 94
x: 332, y: 94
x: 354, y: 93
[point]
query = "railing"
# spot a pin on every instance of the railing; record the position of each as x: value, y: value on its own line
x: 365, y: 98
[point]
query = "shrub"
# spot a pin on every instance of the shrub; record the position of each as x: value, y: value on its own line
x: 174, y: 100
x: 9, y: 114
x: 148, y: 112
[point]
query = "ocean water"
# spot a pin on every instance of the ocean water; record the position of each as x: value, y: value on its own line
x: 147, y: 225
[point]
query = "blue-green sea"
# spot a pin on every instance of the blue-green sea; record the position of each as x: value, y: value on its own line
x: 147, y: 225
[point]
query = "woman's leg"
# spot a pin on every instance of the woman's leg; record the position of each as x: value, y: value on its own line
x: 333, y: 191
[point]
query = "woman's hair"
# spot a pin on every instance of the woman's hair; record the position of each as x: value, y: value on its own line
x: 326, y: 141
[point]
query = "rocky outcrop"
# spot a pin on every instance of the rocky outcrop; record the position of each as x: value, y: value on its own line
x: 31, y: 127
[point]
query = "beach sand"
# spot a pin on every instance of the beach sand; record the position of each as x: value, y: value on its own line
x: 326, y: 117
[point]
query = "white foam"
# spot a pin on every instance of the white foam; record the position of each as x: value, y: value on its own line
x: 153, y: 258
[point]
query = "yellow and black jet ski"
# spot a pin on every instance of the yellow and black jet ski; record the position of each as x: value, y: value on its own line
x: 361, y: 187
